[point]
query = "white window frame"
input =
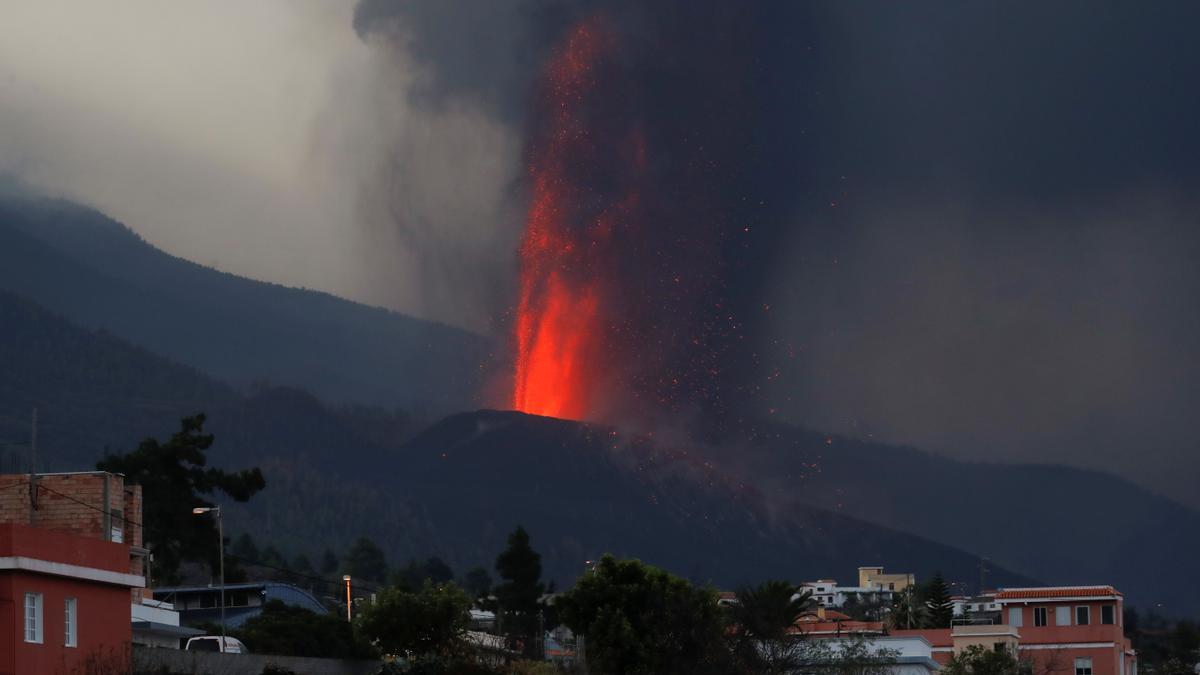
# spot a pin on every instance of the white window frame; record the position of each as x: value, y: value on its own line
x: 1083, y: 665
x: 33, y: 618
x: 71, y: 612
x: 1061, y: 611
x: 1015, y: 616
x: 1045, y: 616
x: 1087, y: 615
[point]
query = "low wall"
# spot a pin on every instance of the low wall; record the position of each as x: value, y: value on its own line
x: 158, y: 661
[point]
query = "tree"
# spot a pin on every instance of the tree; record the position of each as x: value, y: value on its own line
x: 428, y: 624
x: 413, y: 575
x: 938, y: 603
x: 762, y: 617
x: 437, y: 571
x: 272, y: 557
x: 366, y: 561
x: 640, y: 620
x: 853, y: 655
x: 284, y: 630
x: 978, y: 660
x: 175, y: 479
x: 518, y: 597
x: 908, y: 610
x: 477, y: 582
x: 244, y: 547
x: 329, y: 563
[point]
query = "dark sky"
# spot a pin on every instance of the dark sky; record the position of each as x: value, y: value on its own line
x: 1010, y: 268
x: 975, y: 225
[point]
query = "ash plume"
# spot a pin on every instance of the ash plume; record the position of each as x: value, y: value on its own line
x: 672, y: 145
x: 817, y: 175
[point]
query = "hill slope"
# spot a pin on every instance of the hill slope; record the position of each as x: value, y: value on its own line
x: 98, y: 273
x: 91, y: 389
x: 339, y: 472
x: 458, y: 488
x: 1059, y: 524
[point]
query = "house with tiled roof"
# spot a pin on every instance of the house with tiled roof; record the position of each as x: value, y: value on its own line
x: 1056, y: 629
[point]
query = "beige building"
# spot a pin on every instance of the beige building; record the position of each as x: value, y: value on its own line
x: 990, y: 637
x: 874, y: 577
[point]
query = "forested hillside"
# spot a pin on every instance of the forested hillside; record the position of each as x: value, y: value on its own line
x: 98, y: 273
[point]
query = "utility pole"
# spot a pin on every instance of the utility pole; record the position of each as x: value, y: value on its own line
x: 216, y: 510
x: 33, y: 470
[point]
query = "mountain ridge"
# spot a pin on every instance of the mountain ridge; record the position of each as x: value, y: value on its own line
x: 99, y: 273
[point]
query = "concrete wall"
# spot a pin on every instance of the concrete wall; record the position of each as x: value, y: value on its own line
x: 153, y: 661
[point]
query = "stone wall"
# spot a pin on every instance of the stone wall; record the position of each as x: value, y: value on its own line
x: 157, y: 661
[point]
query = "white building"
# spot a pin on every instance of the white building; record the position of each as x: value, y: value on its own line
x: 913, y: 654
x: 826, y: 593
x: 156, y: 624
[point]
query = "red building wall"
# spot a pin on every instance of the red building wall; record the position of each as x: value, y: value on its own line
x: 103, y: 631
x: 1052, y: 648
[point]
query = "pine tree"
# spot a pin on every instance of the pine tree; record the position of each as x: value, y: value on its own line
x: 366, y: 561
x: 518, y: 596
x: 938, y: 602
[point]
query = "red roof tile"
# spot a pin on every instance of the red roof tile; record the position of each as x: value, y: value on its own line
x: 1056, y: 592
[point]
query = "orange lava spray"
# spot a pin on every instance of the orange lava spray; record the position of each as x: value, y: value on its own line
x: 559, y: 331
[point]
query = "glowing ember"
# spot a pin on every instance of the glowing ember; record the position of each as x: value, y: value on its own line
x: 558, y: 328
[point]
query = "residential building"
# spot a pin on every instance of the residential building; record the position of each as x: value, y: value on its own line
x: 156, y: 624
x: 875, y: 578
x: 198, y: 605
x: 874, y: 588
x: 978, y: 609
x: 64, y: 600
x: 1057, y: 629
x: 824, y: 592
x: 1081, y: 625
x: 96, y: 506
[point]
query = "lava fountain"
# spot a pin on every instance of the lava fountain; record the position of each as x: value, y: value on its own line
x: 559, y: 329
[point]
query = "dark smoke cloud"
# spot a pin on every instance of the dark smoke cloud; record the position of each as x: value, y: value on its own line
x: 720, y: 134
x: 1006, y: 272
x: 960, y: 224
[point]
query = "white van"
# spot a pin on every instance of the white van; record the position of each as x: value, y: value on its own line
x: 212, y: 643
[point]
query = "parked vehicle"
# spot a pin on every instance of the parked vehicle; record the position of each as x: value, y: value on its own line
x: 212, y: 643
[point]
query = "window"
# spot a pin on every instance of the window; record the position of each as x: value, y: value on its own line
x: 1083, y: 615
x: 1108, y: 615
x: 1083, y: 666
x: 116, y: 529
x: 999, y: 646
x: 1062, y: 616
x: 1039, y: 616
x: 33, y: 617
x: 69, y: 634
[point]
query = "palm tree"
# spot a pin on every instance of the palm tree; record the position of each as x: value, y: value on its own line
x: 762, y: 617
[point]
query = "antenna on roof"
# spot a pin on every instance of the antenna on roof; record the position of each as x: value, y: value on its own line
x: 33, y: 470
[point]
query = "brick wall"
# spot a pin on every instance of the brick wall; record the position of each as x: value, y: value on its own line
x: 75, y: 503
x: 14, y: 498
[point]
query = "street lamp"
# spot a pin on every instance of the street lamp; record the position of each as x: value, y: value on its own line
x: 346, y: 578
x: 199, y: 511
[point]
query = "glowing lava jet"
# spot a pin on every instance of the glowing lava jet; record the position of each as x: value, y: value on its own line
x: 560, y: 332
